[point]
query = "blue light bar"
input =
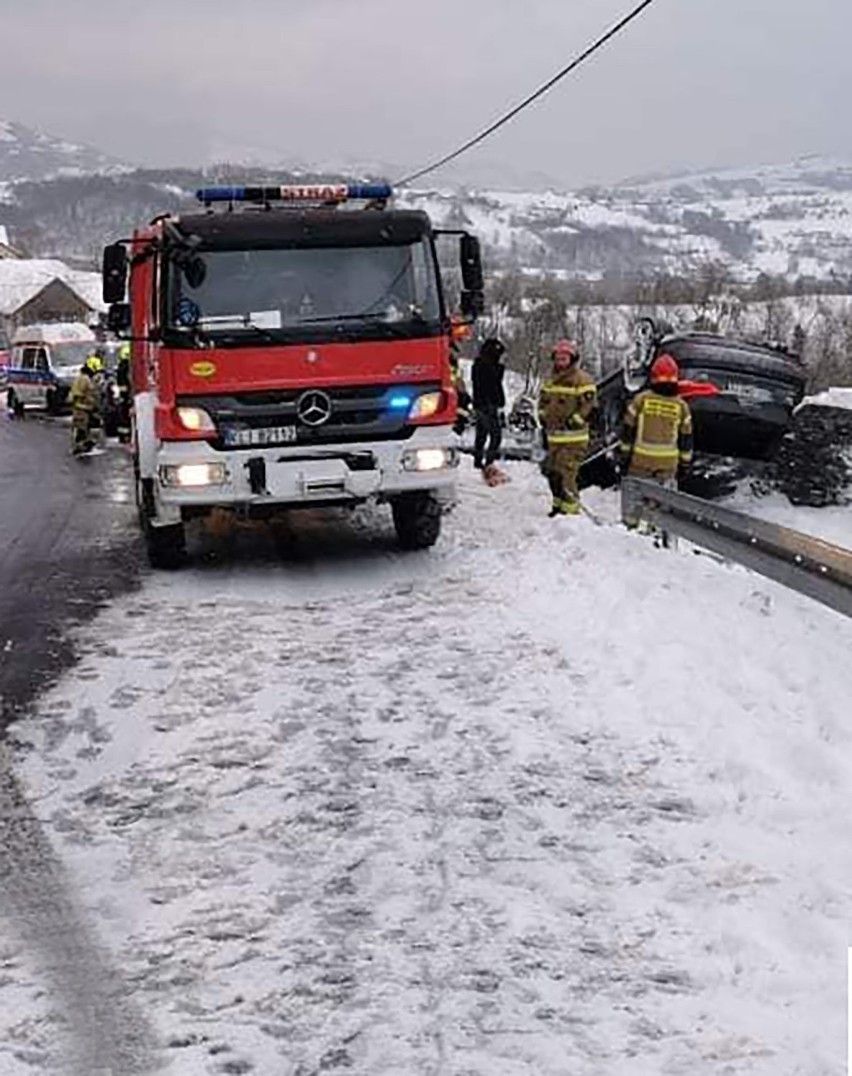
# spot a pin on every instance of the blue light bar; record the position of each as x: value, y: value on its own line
x: 312, y: 192
x: 370, y: 191
x: 399, y: 403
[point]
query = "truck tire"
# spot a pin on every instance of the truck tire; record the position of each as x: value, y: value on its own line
x: 417, y: 519
x: 166, y: 546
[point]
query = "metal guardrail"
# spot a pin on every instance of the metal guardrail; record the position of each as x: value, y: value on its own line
x: 818, y: 569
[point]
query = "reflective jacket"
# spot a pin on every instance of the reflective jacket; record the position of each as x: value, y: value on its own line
x: 657, y: 434
x: 84, y: 393
x: 565, y: 405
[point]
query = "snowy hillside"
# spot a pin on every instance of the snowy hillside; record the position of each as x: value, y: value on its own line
x: 544, y: 800
x: 793, y: 220
x: 29, y: 154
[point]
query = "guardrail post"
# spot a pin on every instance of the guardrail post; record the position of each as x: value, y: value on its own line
x: 631, y: 502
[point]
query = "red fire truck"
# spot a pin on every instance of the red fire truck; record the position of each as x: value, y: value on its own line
x: 289, y: 348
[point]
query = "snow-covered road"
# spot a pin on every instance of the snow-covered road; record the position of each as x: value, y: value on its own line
x: 543, y: 801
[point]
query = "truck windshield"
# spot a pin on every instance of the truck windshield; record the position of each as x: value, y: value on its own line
x: 295, y: 293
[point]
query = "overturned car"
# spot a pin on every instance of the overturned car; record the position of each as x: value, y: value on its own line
x: 743, y: 396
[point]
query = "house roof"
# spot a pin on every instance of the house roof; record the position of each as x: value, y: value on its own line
x: 21, y: 280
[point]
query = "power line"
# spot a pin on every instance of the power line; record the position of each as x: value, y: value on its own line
x: 599, y: 44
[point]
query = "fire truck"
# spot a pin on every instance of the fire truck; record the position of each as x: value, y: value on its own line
x: 290, y: 348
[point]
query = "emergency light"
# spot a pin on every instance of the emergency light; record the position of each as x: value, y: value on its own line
x: 318, y: 192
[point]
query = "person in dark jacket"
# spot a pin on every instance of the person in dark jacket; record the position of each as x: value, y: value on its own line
x: 489, y: 399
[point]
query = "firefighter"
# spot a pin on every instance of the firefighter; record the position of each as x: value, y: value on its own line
x: 565, y: 405
x: 84, y: 399
x: 489, y: 399
x: 122, y: 381
x: 460, y: 331
x: 656, y: 437
x: 463, y: 398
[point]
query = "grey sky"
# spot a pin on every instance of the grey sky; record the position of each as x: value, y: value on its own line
x: 694, y: 83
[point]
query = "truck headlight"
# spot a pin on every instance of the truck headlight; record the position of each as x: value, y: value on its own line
x: 193, y: 475
x: 429, y: 459
x: 427, y: 405
x: 196, y: 419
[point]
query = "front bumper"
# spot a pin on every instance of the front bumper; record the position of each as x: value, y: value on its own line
x: 261, y: 479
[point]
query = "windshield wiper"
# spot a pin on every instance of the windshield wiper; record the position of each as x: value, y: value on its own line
x: 342, y: 317
x: 192, y: 332
x: 251, y: 327
x: 238, y: 324
x: 412, y: 315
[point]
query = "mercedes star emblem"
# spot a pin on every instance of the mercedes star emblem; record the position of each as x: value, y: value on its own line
x: 314, y: 408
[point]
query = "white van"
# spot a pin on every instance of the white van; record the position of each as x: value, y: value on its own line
x: 45, y: 359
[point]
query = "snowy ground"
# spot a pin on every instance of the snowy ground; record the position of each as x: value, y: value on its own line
x: 543, y: 801
x: 833, y: 524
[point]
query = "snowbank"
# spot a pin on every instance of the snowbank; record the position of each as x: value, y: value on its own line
x: 832, y: 524
x: 544, y: 800
x: 835, y: 397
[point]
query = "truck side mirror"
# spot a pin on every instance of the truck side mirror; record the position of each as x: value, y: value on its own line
x: 473, y: 295
x: 114, y: 273
x: 118, y: 317
x: 471, y: 264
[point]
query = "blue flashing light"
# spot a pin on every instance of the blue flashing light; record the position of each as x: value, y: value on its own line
x: 221, y: 194
x: 310, y: 192
x: 370, y: 191
x: 400, y: 403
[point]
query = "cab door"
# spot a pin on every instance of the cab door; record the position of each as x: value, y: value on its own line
x: 30, y: 375
x: 43, y: 377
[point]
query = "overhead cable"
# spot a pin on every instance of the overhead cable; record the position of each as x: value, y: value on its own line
x: 540, y: 92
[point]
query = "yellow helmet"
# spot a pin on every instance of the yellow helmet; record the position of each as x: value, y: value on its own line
x: 124, y: 352
x: 94, y: 364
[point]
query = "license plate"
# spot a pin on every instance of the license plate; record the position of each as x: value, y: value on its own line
x: 752, y: 393
x: 264, y: 435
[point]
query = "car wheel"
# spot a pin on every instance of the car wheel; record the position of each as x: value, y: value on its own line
x: 14, y: 404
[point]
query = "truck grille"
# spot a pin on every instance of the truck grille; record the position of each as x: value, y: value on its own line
x: 357, y: 413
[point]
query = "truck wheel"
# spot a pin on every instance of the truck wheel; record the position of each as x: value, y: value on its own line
x: 51, y: 402
x: 417, y: 518
x: 166, y: 546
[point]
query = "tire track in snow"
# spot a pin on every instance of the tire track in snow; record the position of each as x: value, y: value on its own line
x: 412, y: 808
x: 377, y: 832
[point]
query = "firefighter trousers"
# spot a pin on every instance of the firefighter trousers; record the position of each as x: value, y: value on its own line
x: 563, y: 470
x: 82, y: 435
